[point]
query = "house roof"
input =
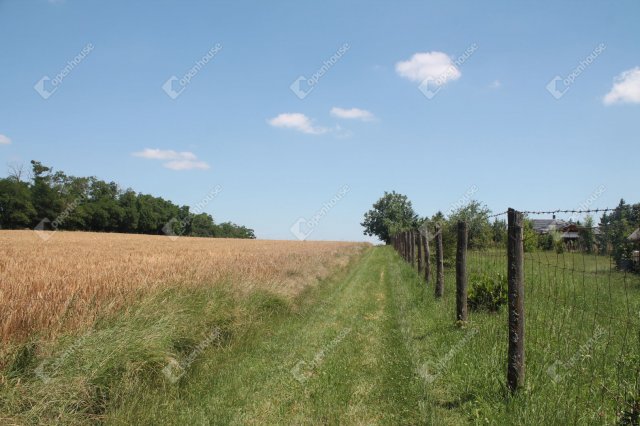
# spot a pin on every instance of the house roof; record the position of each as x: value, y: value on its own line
x: 547, y: 225
x: 635, y: 235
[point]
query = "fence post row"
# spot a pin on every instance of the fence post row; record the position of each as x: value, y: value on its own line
x: 439, y: 263
x: 461, y: 273
x: 515, y: 277
x: 405, y: 243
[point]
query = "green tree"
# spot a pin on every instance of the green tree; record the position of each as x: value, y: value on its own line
x: 499, y: 231
x: 587, y: 237
x: 46, y: 201
x: 530, y: 238
x: 202, y: 225
x: 616, y: 227
x: 390, y: 214
x: 16, y: 209
x: 476, y: 215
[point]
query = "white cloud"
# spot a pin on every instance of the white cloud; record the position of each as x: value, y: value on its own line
x: 186, y: 165
x: 496, y: 84
x: 164, y: 154
x: 626, y: 88
x: 297, y: 121
x: 352, y: 113
x: 4, y: 140
x: 436, y: 66
x: 184, y: 160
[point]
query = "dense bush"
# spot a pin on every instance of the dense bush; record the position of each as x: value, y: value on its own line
x: 487, y: 291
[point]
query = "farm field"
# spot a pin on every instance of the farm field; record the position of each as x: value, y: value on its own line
x: 368, y: 345
x: 68, y: 281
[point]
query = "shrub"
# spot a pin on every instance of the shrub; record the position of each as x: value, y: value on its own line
x: 487, y: 291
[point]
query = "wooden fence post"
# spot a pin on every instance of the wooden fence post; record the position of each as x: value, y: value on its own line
x: 439, y: 263
x: 427, y: 255
x: 419, y: 244
x: 406, y: 246
x: 515, y: 277
x: 411, y: 248
x: 412, y: 241
x: 461, y: 272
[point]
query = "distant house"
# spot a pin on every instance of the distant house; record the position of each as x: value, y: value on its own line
x: 568, y: 231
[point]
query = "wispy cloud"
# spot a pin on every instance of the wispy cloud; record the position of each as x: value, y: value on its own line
x: 626, y: 88
x: 4, y: 140
x: 352, y: 113
x: 174, y: 160
x: 495, y: 84
x: 297, y: 121
x: 437, y: 66
x: 186, y: 165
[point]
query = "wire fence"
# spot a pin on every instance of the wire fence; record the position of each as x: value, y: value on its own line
x: 570, y: 309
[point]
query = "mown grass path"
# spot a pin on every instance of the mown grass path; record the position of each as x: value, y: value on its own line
x: 341, y: 358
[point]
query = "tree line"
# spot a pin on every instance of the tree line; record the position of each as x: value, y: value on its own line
x: 394, y: 213
x: 51, y: 199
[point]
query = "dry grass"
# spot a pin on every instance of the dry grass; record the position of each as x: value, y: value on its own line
x: 68, y: 281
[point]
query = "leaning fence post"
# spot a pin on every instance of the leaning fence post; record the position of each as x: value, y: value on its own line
x: 515, y: 277
x: 461, y: 272
x: 439, y: 263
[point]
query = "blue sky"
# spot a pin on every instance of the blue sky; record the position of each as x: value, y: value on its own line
x: 485, y: 121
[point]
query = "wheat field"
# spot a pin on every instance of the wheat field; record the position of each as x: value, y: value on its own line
x: 67, y: 281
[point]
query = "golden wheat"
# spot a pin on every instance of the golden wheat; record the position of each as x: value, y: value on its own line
x: 68, y: 280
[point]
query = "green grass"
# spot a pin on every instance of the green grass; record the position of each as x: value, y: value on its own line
x: 369, y: 345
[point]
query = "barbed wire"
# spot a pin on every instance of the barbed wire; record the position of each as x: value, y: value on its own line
x: 598, y: 210
x: 497, y: 214
x: 608, y: 209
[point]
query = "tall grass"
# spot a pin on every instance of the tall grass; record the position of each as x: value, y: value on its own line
x: 582, y: 341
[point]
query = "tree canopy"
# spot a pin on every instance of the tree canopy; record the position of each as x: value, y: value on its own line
x: 55, y: 200
x: 390, y: 214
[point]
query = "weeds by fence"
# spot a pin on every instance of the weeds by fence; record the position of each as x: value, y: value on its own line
x: 581, y: 308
